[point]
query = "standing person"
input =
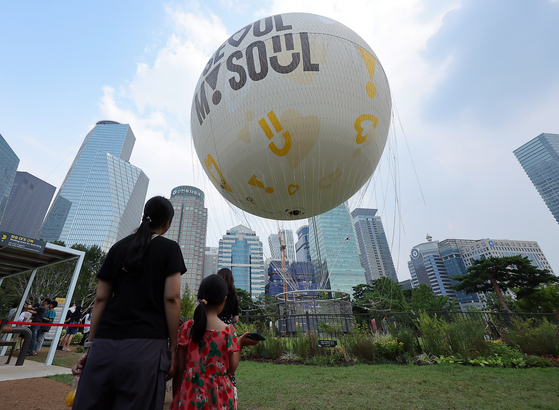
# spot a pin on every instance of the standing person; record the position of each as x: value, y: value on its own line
x: 43, y: 330
x: 25, y: 316
x: 12, y: 312
x: 393, y: 320
x: 208, y: 353
x: 86, y: 320
x: 38, y: 318
x: 230, y: 312
x: 75, y: 319
x: 384, y: 325
x: 62, y: 341
x: 135, y: 319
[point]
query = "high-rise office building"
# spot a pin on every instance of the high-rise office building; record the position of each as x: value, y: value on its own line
x: 8, y: 168
x: 274, y: 243
x: 210, y: 261
x: 376, y: 258
x: 334, y: 250
x: 485, y: 248
x: 188, y: 229
x: 241, y: 251
x: 540, y: 160
x: 302, y: 248
x: 102, y: 197
x: 449, y: 250
x: 436, y: 263
x: 27, y: 205
x: 426, y: 266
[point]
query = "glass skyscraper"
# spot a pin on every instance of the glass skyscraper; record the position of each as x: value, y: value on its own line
x: 27, y: 205
x: 102, y: 197
x: 540, y: 160
x: 241, y: 251
x: 302, y: 248
x: 334, y: 250
x: 274, y: 243
x: 374, y: 251
x: 188, y: 229
x: 8, y: 168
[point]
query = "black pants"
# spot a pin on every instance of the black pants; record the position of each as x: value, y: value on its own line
x: 126, y: 374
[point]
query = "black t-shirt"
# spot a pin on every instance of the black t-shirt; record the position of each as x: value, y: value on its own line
x: 40, y: 315
x: 136, y: 309
x: 231, y: 307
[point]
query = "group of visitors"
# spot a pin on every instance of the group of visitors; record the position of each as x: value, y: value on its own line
x: 45, y: 313
x: 135, y: 343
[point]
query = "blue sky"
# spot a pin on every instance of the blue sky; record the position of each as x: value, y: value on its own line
x: 471, y: 81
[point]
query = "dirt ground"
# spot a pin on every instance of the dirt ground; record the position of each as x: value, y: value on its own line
x: 39, y: 394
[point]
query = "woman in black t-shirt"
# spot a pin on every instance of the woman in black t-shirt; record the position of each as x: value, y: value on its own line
x: 230, y: 312
x: 135, y: 319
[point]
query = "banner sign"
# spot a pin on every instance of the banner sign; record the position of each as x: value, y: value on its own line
x: 327, y: 343
x: 21, y: 242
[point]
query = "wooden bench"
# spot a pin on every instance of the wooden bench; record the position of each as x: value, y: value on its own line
x: 5, y: 330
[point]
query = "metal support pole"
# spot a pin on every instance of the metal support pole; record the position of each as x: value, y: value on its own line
x: 69, y: 295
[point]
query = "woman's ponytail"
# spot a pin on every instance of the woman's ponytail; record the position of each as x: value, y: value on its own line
x: 211, y: 292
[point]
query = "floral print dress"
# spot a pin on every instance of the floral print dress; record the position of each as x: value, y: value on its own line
x: 206, y: 381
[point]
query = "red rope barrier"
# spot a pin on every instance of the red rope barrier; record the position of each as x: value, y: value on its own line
x: 45, y: 324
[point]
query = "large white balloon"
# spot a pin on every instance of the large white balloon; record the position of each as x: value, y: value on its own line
x: 290, y: 116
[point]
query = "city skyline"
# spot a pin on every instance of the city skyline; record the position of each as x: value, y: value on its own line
x: 454, y: 107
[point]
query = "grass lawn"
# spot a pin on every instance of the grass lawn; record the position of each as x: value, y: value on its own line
x: 268, y: 386
x: 61, y: 358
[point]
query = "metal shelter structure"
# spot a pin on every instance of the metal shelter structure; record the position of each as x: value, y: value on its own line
x: 19, y: 255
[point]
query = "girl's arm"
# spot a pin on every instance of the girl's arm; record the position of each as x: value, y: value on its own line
x: 235, y: 357
x: 179, y: 374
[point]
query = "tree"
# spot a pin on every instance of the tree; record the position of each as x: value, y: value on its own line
x: 500, y: 274
x: 544, y: 300
x: 188, y: 303
x: 245, y: 300
x: 266, y: 304
x: 381, y: 294
x: 492, y: 302
x: 424, y: 299
x: 53, y: 281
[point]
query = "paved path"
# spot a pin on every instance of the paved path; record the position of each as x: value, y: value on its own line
x: 29, y: 369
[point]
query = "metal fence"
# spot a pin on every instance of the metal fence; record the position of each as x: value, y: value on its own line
x: 287, y: 325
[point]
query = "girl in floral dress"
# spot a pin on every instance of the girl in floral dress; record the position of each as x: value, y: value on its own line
x: 208, y: 353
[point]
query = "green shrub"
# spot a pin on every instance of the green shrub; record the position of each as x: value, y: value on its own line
x: 533, y: 338
x: 77, y: 338
x: 439, y: 338
x: 501, y: 355
x: 535, y: 361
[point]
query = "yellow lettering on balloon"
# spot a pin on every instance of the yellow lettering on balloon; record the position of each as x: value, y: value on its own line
x: 360, y: 139
x: 255, y: 182
x: 280, y: 152
x: 371, y: 64
x: 210, y: 162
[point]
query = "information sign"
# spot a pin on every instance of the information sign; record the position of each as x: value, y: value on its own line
x: 21, y: 242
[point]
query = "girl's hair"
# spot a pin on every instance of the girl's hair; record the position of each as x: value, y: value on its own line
x: 227, y: 276
x: 211, y: 292
x: 157, y: 212
x: 77, y: 315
